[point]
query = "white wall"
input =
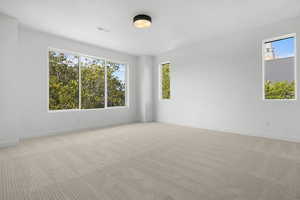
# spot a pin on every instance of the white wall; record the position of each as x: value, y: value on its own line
x: 30, y: 78
x: 145, y: 88
x: 217, y: 84
x: 8, y: 93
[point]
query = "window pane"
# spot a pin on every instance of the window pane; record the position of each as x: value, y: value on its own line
x: 63, y: 81
x: 279, y: 70
x: 165, y: 80
x: 116, y: 84
x: 92, y: 83
x: 280, y: 48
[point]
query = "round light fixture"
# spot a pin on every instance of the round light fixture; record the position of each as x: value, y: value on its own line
x: 142, y: 21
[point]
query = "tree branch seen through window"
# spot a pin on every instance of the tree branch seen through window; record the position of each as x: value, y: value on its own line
x: 165, y: 81
x: 79, y: 82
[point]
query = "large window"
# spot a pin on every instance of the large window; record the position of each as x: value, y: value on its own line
x: 165, y: 81
x: 85, y: 82
x: 279, y: 68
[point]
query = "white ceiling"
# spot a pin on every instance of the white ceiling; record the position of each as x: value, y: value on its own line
x: 175, y: 22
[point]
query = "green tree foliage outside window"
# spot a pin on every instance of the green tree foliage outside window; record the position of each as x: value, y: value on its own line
x: 92, y: 83
x: 165, y: 81
x: 279, y: 90
x: 116, y: 90
x: 64, y: 75
x: 63, y: 81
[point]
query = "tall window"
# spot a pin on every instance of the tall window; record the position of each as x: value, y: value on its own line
x: 92, y: 82
x: 116, y: 86
x: 63, y: 81
x: 279, y: 66
x: 165, y: 81
x: 85, y: 82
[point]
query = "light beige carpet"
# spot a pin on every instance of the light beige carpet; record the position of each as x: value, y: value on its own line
x: 150, y: 162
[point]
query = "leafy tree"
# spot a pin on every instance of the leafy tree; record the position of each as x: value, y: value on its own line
x: 115, y: 86
x: 166, y: 81
x: 279, y: 90
x: 63, y: 81
x: 92, y: 85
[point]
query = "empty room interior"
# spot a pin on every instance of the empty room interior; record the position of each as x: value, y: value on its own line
x: 149, y: 100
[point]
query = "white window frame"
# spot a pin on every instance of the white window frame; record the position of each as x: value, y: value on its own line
x: 126, y: 84
x: 295, y: 65
x: 105, y: 95
x: 160, y: 81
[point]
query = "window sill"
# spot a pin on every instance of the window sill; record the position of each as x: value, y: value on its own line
x: 165, y: 100
x: 87, y: 110
x: 279, y: 100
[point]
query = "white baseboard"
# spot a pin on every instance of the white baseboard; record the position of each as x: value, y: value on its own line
x: 261, y: 134
x: 9, y: 142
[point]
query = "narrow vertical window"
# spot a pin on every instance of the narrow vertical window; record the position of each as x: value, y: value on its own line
x: 165, y: 81
x: 63, y: 81
x: 279, y: 61
x: 92, y: 73
x: 116, y: 84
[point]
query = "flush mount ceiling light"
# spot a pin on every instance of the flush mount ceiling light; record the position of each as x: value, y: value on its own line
x: 142, y: 21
